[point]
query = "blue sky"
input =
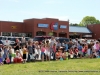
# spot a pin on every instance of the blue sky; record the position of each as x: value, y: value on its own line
x: 74, y: 10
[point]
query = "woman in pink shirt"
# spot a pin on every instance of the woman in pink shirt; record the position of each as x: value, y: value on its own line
x: 97, y: 46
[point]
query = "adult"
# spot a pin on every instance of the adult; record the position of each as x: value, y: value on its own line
x: 70, y: 44
x: 23, y: 41
x: 37, y: 50
x: 30, y: 50
x: 52, y: 42
x: 17, y: 44
x: 58, y: 44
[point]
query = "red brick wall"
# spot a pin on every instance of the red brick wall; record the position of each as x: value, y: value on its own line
x: 6, y: 26
x: 34, y: 22
x: 95, y: 29
x: 30, y: 25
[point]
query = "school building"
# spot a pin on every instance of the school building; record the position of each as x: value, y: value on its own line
x: 47, y: 27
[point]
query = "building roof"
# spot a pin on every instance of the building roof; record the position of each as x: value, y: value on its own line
x: 79, y: 29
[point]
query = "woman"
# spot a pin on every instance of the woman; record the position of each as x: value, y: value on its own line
x: 54, y: 51
x: 47, y: 53
x: 37, y: 50
x: 10, y: 53
x: 5, y: 55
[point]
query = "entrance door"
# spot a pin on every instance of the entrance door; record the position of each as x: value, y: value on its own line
x: 62, y: 34
x: 40, y: 33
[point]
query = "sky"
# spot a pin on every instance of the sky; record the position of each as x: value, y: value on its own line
x: 72, y: 10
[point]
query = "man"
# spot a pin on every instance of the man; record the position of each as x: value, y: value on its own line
x: 52, y: 42
x: 17, y: 44
x: 30, y: 50
x: 23, y: 41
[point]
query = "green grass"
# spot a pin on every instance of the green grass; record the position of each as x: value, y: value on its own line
x: 33, y: 68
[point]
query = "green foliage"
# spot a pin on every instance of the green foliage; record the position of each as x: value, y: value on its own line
x: 88, y: 20
x: 75, y: 24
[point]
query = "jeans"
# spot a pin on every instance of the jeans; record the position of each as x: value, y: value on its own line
x: 29, y: 57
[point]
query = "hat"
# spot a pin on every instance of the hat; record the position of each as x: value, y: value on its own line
x: 17, y: 50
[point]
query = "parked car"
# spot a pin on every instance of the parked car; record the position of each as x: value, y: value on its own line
x: 11, y: 40
x: 1, y: 43
x: 62, y: 39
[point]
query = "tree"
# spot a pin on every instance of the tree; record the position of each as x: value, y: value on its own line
x: 88, y: 20
x: 74, y: 24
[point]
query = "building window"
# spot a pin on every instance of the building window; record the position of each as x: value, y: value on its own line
x: 74, y: 36
x: 6, y: 34
x: 15, y: 34
x: 28, y: 34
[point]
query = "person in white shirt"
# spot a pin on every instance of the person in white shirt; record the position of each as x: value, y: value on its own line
x: 23, y: 41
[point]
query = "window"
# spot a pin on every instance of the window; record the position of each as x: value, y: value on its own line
x: 6, y: 34
x: 15, y: 34
x: 28, y: 34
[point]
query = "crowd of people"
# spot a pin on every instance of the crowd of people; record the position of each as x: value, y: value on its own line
x: 49, y: 49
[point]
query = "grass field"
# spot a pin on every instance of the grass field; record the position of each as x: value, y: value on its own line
x: 53, y: 67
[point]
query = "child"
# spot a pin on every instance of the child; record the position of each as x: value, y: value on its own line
x: 59, y: 55
x: 10, y: 53
x: 18, y: 57
x: 54, y: 51
x: 24, y: 54
x: 89, y: 50
x: 64, y: 55
x: 42, y: 51
x: 71, y: 53
x: 47, y: 53
x: 1, y: 60
x: 75, y: 52
x: 84, y: 50
x: 7, y: 60
x: 80, y: 50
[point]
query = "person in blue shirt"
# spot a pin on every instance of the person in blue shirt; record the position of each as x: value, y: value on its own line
x: 80, y: 50
x: 66, y: 46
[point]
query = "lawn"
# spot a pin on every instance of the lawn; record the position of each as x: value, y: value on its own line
x: 53, y: 68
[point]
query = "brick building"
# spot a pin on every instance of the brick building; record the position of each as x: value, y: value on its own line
x: 47, y: 27
x: 35, y: 27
